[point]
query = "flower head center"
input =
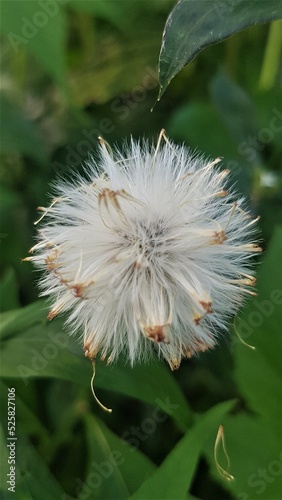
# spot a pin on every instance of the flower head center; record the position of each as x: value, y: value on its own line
x: 147, y: 238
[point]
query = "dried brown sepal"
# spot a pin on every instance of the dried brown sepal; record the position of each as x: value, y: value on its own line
x: 207, y: 306
x: 156, y: 333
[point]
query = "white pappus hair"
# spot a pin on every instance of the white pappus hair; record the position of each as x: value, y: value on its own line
x: 149, y: 253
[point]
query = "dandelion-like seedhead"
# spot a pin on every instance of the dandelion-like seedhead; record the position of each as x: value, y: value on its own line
x: 148, y: 253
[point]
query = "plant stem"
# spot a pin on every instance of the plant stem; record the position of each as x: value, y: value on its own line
x: 270, y: 65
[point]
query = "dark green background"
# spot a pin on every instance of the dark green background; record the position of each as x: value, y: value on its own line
x: 90, y: 70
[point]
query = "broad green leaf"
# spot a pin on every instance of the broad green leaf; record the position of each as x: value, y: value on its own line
x: 25, y: 415
x: 260, y: 325
x: 40, y: 27
x: 18, y: 133
x: 173, y: 478
x: 195, y: 24
x: 20, y: 490
x: 120, y: 469
x: 15, y: 321
x: 33, y: 479
x: 47, y: 351
x: 42, y: 351
x: 57, y: 434
x: 34, y: 474
x: 255, y: 458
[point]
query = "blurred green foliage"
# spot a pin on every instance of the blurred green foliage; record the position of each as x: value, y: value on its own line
x: 73, y: 70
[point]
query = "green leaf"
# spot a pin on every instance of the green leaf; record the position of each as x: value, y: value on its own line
x: 40, y: 27
x: 195, y: 24
x: 33, y: 479
x: 174, y: 477
x: 42, y: 351
x: 260, y: 325
x: 34, y: 474
x: 120, y: 469
x: 25, y: 414
x: 47, y: 351
x: 15, y: 321
x: 255, y: 453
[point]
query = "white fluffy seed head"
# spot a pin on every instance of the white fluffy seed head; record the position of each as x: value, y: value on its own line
x: 148, y: 254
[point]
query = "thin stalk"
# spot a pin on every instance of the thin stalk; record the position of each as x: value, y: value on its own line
x: 271, y: 60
